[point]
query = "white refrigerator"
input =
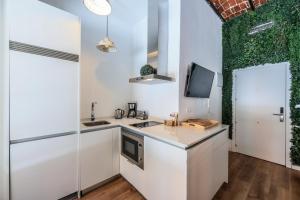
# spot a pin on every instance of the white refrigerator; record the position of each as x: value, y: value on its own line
x: 44, y: 101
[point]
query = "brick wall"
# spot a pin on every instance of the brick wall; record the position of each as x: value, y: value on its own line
x: 229, y: 9
x: 258, y: 3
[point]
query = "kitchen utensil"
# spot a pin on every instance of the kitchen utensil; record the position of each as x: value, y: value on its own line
x: 119, y: 113
x: 132, y: 108
x: 142, y: 115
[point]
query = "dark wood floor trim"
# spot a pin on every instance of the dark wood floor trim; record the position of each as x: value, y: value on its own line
x: 72, y: 196
x: 104, y: 183
x: 98, y: 185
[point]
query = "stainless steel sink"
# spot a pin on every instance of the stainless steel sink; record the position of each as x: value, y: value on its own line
x: 96, y: 123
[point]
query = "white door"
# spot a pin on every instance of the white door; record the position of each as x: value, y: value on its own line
x: 260, y: 111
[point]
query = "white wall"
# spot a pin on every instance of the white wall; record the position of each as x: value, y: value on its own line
x: 201, y: 42
x: 1, y: 96
x: 195, y: 35
x: 4, y: 145
x: 161, y: 99
x: 104, y: 77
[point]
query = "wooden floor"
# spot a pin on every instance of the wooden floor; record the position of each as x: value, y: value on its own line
x: 119, y: 189
x: 249, y: 178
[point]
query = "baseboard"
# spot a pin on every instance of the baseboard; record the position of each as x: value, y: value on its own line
x: 232, y: 146
x: 96, y: 186
x: 296, y: 167
x: 72, y: 196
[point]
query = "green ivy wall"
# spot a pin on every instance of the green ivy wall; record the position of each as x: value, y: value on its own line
x: 278, y: 44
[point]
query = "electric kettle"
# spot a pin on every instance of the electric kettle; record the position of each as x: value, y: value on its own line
x: 119, y: 113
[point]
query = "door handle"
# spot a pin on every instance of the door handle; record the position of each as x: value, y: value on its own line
x: 281, y: 114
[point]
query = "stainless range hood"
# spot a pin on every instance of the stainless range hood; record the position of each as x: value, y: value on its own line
x: 151, y: 79
x: 157, y: 47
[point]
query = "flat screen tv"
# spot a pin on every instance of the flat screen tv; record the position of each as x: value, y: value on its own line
x: 199, y: 82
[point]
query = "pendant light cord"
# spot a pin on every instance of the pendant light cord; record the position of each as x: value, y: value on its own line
x: 107, y: 26
x: 107, y: 23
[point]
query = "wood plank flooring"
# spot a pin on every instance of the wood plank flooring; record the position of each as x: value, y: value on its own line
x: 119, y: 189
x: 249, y: 179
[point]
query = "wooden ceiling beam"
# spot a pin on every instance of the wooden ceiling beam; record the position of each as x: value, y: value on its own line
x: 252, y: 6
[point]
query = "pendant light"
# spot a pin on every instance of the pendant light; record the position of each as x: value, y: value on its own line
x: 99, y: 7
x: 106, y: 45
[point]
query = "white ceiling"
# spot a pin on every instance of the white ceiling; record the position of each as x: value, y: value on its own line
x: 129, y: 11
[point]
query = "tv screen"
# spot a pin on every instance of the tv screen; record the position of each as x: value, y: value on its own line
x: 199, y: 82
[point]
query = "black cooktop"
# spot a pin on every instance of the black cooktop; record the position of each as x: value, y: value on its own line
x: 145, y: 124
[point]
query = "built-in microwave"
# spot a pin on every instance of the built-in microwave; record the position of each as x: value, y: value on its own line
x: 133, y: 147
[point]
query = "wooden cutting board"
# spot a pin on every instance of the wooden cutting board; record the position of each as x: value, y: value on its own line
x: 200, y: 123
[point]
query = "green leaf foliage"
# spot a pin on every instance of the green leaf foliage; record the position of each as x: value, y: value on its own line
x: 147, y: 70
x: 279, y: 44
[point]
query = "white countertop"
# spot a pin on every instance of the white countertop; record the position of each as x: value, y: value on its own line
x: 180, y: 136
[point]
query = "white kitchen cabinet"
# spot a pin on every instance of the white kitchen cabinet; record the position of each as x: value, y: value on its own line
x: 99, y: 156
x: 44, y: 109
x: 208, y: 167
x: 164, y: 174
x: 43, y: 95
x: 36, y: 23
x: 178, y: 174
x: 44, y: 169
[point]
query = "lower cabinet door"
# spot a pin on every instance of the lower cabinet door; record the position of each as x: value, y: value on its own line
x: 44, y: 169
x: 96, y: 157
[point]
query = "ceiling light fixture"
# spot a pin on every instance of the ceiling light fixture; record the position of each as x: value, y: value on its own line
x: 106, y: 45
x: 99, y: 7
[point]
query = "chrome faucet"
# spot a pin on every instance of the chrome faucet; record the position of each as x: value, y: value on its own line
x: 93, y: 111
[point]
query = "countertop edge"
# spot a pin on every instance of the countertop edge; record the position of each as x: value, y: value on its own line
x: 185, y: 147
